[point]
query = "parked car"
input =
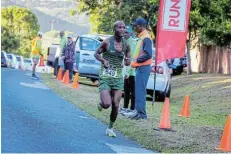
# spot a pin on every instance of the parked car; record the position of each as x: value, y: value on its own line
x: 13, y: 61
x: 184, y: 61
x: 163, y: 80
x: 5, y: 62
x: 86, y: 64
x: 28, y: 64
x: 20, y: 60
x: 53, y: 54
x: 85, y: 48
x: 178, y: 64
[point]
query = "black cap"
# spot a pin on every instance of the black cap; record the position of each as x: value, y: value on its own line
x: 140, y: 21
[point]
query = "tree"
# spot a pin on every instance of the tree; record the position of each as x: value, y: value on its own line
x: 104, y: 13
x: 196, y: 22
x: 217, y: 25
x: 210, y: 24
x: 9, y: 41
x: 210, y: 20
x: 21, y: 23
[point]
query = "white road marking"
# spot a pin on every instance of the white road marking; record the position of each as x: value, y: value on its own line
x: 84, y: 117
x: 38, y: 85
x: 127, y: 149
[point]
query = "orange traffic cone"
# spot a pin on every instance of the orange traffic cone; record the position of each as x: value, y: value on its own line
x: 75, y: 83
x: 41, y: 63
x: 66, y: 79
x: 185, y: 110
x: 225, y: 144
x: 165, y: 116
x: 60, y: 74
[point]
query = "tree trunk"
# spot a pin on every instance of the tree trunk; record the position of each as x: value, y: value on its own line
x: 220, y: 60
x: 189, y: 69
x: 228, y: 61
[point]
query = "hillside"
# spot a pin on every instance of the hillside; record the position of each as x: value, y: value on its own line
x: 56, y: 11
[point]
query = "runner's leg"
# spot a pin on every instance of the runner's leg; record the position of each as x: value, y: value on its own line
x: 106, y: 99
x: 116, y: 94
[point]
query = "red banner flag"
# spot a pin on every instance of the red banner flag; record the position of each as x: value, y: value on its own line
x: 172, y: 29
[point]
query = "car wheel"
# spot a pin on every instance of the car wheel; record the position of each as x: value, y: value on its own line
x: 168, y: 93
x: 150, y: 93
x: 180, y: 70
x: 161, y: 96
x: 95, y: 81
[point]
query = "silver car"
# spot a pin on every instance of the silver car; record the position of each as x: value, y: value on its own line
x: 163, y: 80
x: 5, y: 61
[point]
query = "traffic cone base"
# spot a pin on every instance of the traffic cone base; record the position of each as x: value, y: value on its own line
x: 41, y: 62
x: 60, y: 74
x: 183, y: 116
x: 225, y: 143
x: 165, y: 116
x: 75, y: 83
x: 66, y: 78
x: 185, y: 110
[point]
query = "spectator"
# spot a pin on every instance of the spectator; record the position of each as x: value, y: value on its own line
x: 68, y: 56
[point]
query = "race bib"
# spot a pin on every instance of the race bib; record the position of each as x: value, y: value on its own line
x: 110, y: 71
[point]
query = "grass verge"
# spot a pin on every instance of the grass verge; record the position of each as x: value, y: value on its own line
x: 210, y: 104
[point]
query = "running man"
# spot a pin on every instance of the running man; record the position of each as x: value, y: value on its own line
x: 115, y: 50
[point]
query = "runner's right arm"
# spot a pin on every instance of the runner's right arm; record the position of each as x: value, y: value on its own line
x: 102, y: 48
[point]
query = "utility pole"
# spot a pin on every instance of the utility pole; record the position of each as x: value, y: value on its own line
x: 53, y: 21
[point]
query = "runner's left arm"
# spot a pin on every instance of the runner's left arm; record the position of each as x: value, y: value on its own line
x: 127, y: 58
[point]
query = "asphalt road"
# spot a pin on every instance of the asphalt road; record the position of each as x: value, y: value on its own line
x: 36, y: 120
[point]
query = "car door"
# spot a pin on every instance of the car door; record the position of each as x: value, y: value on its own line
x: 87, y: 62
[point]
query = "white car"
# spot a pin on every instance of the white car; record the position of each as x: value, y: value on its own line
x: 13, y: 61
x: 163, y: 81
x: 20, y: 60
x: 53, y: 54
x: 28, y: 64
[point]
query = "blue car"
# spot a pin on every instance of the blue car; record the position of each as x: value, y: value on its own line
x: 178, y: 64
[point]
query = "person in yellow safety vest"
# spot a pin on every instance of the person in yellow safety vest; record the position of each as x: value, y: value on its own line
x: 142, y: 62
x: 129, y: 74
x: 36, y: 53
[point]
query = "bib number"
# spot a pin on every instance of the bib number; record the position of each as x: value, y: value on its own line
x: 110, y: 71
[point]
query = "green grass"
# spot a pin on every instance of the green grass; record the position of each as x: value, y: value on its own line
x: 210, y: 105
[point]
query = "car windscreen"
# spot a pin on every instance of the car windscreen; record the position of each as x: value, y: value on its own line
x: 88, y: 44
x: 27, y: 61
x: 9, y: 56
x: 18, y: 58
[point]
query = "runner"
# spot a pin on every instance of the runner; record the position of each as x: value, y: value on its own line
x: 114, y: 50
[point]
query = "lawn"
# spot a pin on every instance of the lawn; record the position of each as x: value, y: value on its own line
x: 210, y: 104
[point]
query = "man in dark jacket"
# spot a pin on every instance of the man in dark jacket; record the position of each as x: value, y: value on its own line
x: 69, y: 56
